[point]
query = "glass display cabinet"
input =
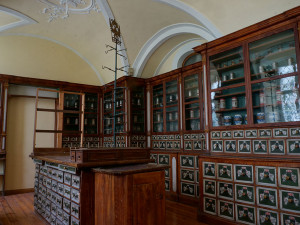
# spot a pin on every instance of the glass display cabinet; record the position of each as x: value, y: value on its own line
x: 171, y: 106
x: 71, y: 120
x: 91, y: 114
x: 192, y: 102
x: 274, y: 84
x: 120, y: 110
x: 158, y: 119
x: 227, y: 82
x: 130, y: 118
x: 165, y: 107
x: 108, y: 112
x: 138, y: 110
x: 271, y: 79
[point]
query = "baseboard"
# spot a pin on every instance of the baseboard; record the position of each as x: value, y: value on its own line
x: 19, y: 191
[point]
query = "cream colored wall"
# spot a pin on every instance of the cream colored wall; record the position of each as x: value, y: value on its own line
x: 20, y: 126
x: 39, y: 58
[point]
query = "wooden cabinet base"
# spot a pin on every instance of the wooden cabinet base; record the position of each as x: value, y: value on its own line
x: 130, y: 195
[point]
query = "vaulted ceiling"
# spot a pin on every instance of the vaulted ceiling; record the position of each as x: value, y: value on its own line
x: 35, y: 41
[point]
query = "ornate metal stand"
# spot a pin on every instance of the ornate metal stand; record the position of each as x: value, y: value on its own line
x: 116, y: 38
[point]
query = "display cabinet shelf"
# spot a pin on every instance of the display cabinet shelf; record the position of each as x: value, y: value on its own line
x: 232, y: 81
x: 194, y: 118
x: 273, y: 42
x: 227, y: 57
x: 230, y: 95
x: 231, y: 67
x: 229, y: 110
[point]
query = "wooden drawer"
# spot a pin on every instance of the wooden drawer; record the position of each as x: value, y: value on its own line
x: 76, y: 181
x: 75, y: 195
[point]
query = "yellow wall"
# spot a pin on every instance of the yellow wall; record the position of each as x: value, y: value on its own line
x: 38, y: 58
x: 20, y: 126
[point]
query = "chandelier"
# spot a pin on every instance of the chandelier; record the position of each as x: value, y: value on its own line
x: 61, y: 8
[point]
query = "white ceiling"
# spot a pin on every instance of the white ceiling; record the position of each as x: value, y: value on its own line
x: 150, y: 28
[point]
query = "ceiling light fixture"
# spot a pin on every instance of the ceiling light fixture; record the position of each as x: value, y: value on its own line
x: 61, y: 8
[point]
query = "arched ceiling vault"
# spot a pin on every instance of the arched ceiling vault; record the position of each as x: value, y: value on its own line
x: 154, y: 32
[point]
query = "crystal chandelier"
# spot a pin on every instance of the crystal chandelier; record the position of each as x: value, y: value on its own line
x: 61, y: 8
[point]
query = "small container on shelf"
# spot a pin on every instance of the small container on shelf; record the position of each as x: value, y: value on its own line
x: 238, y: 119
x: 222, y: 104
x: 227, y: 120
x: 224, y: 77
x: 245, y: 119
x: 234, y: 102
x: 260, y: 117
x: 231, y: 76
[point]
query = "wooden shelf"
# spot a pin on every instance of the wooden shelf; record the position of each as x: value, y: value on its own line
x: 191, y: 79
x: 230, y: 95
x: 229, y: 110
x: 173, y: 92
x: 233, y: 80
x: 196, y: 96
x: 231, y: 67
x: 227, y: 57
x: 190, y: 88
x: 194, y: 118
x: 273, y: 42
x: 196, y: 107
x: 275, y: 55
x: 171, y: 121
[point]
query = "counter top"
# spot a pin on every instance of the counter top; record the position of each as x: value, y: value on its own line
x: 130, y: 169
x: 66, y: 160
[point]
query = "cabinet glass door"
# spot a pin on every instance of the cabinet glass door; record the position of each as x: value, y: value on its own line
x: 138, y: 110
x: 275, y: 88
x: 120, y: 110
x: 273, y: 56
x: 191, y: 102
x: 71, y: 120
x: 227, y: 68
x: 228, y: 103
x: 108, y: 106
x: 90, y: 114
x: 171, y: 106
x: 158, y: 121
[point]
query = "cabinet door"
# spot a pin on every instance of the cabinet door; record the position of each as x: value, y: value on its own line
x: 149, y: 198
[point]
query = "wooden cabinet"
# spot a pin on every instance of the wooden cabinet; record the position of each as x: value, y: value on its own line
x: 130, y: 195
x: 249, y: 190
x: 253, y: 79
x: 63, y: 194
x: 130, y: 119
x: 71, y: 121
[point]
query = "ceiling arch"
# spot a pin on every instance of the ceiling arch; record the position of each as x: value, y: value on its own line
x: 194, y: 13
x: 161, y: 36
x: 21, y: 19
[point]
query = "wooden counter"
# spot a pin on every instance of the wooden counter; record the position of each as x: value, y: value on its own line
x: 130, y: 195
x: 74, y: 193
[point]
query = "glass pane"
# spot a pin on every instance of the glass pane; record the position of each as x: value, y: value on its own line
x: 276, y: 101
x: 158, y: 96
x: 108, y: 123
x: 158, y: 120
x: 71, y: 102
x: 172, y: 118
x: 90, y: 124
x: 91, y: 103
x: 191, y: 88
x: 71, y: 122
x: 108, y: 102
x: 120, y: 99
x: 171, y: 92
x: 192, y: 116
x: 273, y: 56
x: 227, y: 68
x: 229, y: 107
x: 193, y: 59
x: 138, y: 111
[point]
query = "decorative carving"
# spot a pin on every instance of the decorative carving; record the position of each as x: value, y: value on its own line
x: 61, y: 8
